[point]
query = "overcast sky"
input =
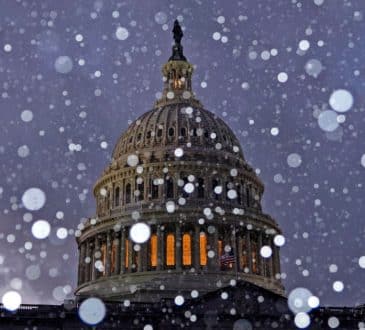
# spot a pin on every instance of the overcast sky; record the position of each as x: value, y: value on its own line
x: 287, y: 76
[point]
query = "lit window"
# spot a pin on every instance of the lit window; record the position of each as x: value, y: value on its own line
x: 170, y: 250
x: 244, y: 257
x: 177, y: 83
x: 220, y: 248
x: 153, y: 247
x: 126, y: 253
x: 186, y: 250
x: 103, y: 256
x: 254, y: 255
x: 203, y: 249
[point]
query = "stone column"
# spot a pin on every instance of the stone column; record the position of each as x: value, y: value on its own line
x: 140, y: 257
x: 210, y: 247
x: 276, y: 260
x: 178, y: 246
x: 260, y: 259
x: 94, y: 270
x: 175, y: 179
x: 271, y: 259
x: 133, y: 189
x: 144, y: 251
x: 81, y: 277
x: 122, y: 250
x: 196, y: 249
x: 87, y: 265
x: 160, y: 248
x: 111, y: 197
x: 235, y: 250
x: 249, y: 252
x: 240, y: 252
x: 108, y: 253
x: 79, y: 267
x: 145, y: 186
x: 117, y: 254
x: 215, y: 259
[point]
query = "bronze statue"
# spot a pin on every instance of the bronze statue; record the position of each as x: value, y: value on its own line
x: 178, y: 34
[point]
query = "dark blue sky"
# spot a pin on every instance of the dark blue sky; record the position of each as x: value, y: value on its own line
x: 241, y: 50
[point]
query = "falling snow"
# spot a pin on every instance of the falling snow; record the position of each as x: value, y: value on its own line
x: 289, y: 81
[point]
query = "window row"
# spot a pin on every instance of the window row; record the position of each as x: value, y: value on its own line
x: 188, y: 186
x: 173, y: 250
x: 182, y: 133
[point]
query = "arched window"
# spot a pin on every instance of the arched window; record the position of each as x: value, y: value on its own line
x: 215, y: 183
x: 169, y: 188
x: 153, y: 250
x: 228, y: 188
x: 171, y: 131
x: 183, y: 131
x: 116, y: 196
x: 128, y: 192
x: 238, y: 190
x: 159, y: 132
x: 183, y: 192
x: 200, y: 188
x: 248, y: 196
x: 170, y: 250
x: 186, y: 249
x: 153, y: 189
x: 203, y: 249
x: 140, y: 189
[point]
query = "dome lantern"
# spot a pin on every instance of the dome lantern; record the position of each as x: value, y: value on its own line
x: 177, y: 73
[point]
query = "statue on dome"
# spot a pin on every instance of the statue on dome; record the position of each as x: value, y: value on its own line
x: 177, y: 31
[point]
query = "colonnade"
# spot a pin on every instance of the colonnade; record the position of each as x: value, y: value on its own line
x: 177, y: 247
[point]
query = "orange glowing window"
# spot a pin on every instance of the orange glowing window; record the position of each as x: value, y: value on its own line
x: 186, y: 240
x: 153, y: 247
x: 220, y: 247
x: 170, y: 250
x: 177, y: 83
x: 244, y: 256
x: 126, y: 253
x: 255, y: 268
x: 203, y: 249
x: 103, y: 255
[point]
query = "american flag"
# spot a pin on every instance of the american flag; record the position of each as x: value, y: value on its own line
x: 227, y: 259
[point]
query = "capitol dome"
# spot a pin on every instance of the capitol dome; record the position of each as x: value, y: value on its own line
x: 178, y: 208
x: 177, y: 124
